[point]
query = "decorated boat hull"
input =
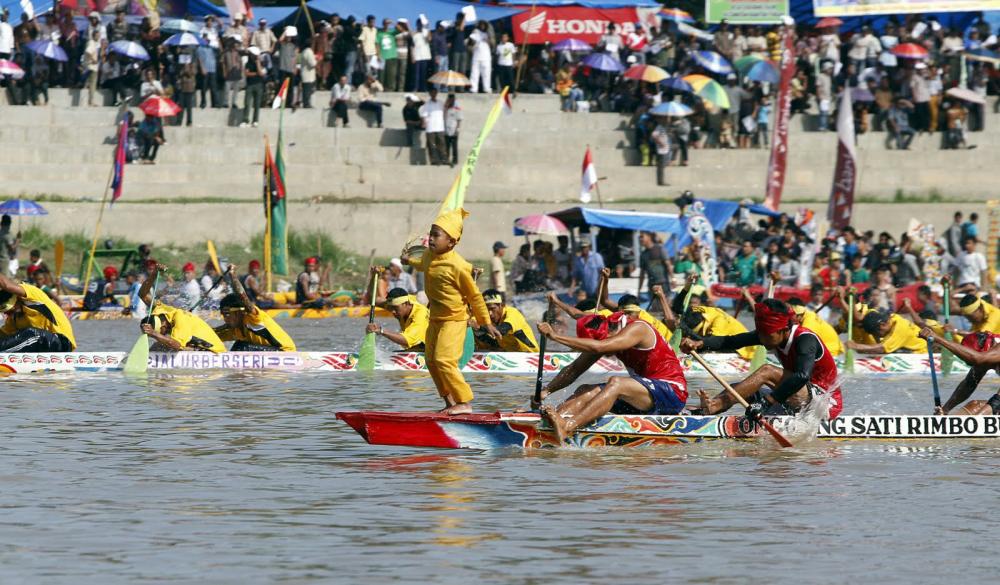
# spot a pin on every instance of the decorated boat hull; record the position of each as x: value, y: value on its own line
x: 729, y: 365
x: 527, y: 430
x: 115, y: 313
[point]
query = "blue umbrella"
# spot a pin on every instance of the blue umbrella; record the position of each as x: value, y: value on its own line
x: 764, y: 72
x: 130, y: 49
x: 183, y: 39
x: 671, y: 109
x: 712, y: 61
x: 603, y: 62
x: 676, y: 84
x: 48, y: 49
x: 21, y: 207
x: 176, y: 25
x: 572, y: 45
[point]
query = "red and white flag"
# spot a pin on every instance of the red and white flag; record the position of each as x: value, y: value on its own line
x: 846, y: 173
x: 508, y: 105
x: 279, y: 98
x: 588, y: 181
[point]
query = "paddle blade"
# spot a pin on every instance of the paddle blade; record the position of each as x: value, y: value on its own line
x: 468, y: 348
x: 214, y: 256
x: 849, y: 361
x: 60, y: 254
x: 138, y: 359
x: 777, y: 436
x: 759, y: 358
x: 947, y: 358
x: 675, y: 340
x: 366, y: 355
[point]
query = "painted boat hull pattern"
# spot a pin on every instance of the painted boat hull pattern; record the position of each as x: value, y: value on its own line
x: 527, y: 431
x: 115, y: 313
x: 493, y: 362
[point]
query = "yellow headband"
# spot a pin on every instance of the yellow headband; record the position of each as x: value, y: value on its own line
x: 451, y: 222
x: 629, y: 308
x: 493, y: 300
x: 799, y: 309
x: 401, y: 300
x: 970, y: 309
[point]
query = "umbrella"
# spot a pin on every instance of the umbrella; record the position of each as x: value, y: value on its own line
x: 712, y: 61
x: 450, y: 79
x: 603, y: 62
x: 48, y: 49
x: 709, y: 90
x: 829, y: 22
x: 21, y: 207
x: 543, y: 225
x: 764, y: 72
x: 743, y: 64
x: 671, y: 109
x: 861, y: 94
x: 130, y: 49
x: 688, y: 30
x: 159, y: 107
x: 650, y: 73
x: 11, y: 68
x: 177, y: 25
x: 909, y: 51
x: 676, y: 84
x: 572, y: 45
x: 966, y: 95
x: 183, y: 39
x: 676, y: 15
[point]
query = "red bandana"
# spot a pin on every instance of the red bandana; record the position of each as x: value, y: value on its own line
x: 585, y: 332
x: 768, y: 320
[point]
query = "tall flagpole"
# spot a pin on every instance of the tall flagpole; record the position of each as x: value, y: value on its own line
x: 267, y: 227
x: 97, y: 232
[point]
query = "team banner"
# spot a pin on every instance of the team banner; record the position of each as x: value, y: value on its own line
x: 778, y: 163
x: 551, y: 24
x: 846, y: 172
x: 823, y: 8
x: 746, y: 11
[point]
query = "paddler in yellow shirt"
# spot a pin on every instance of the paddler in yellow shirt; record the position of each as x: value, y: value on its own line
x: 706, y: 321
x: 517, y: 334
x: 858, y: 335
x: 250, y: 328
x: 34, y: 323
x: 813, y: 322
x: 894, y: 334
x: 983, y: 316
x: 450, y: 287
x: 174, y: 329
x: 926, y: 319
x: 413, y: 320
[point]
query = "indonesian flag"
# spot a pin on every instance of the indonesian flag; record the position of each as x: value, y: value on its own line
x: 508, y: 106
x: 846, y: 172
x: 588, y: 181
x: 279, y: 98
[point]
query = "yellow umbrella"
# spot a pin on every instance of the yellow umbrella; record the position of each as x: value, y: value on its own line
x: 648, y: 73
x: 450, y: 79
x: 708, y: 89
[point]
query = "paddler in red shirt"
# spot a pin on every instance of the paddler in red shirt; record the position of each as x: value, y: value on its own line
x: 655, y: 384
x: 808, y: 369
x: 981, y: 351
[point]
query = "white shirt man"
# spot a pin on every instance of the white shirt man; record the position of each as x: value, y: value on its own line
x: 505, y: 54
x: 482, y: 65
x: 340, y: 92
x: 6, y: 40
x: 971, y: 266
x: 432, y: 113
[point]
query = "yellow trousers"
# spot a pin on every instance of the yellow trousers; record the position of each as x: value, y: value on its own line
x: 444, y: 343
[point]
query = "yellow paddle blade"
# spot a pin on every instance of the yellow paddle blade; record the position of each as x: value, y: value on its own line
x: 138, y: 358
x: 60, y: 254
x: 759, y: 358
x: 214, y: 256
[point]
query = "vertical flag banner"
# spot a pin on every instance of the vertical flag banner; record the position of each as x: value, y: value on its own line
x: 846, y: 173
x: 275, y: 197
x: 778, y: 163
x: 588, y: 180
x: 279, y: 98
x: 456, y: 196
x: 118, y: 171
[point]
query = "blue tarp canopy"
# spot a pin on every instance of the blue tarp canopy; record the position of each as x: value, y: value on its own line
x: 204, y: 8
x: 276, y: 16
x: 435, y: 10
x: 14, y: 7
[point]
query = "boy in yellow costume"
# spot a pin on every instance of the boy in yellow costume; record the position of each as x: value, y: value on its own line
x: 450, y: 287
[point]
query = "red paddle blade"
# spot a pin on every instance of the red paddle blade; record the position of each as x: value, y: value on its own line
x: 777, y: 436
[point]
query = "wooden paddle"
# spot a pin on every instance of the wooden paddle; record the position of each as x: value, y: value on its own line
x: 213, y: 256
x: 60, y: 254
x: 934, y: 380
x: 947, y: 359
x: 736, y: 396
x: 137, y: 360
x: 675, y: 337
x: 536, y: 402
x: 849, y: 355
x: 366, y: 355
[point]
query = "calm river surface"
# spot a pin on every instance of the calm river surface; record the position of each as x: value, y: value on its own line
x: 249, y: 478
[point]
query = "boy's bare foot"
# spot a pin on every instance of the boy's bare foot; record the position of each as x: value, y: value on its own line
x: 558, y: 424
x: 708, y: 405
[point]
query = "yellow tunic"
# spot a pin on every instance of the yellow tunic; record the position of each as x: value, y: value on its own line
x: 39, y: 312
x: 258, y: 329
x: 903, y: 335
x: 720, y: 323
x: 449, y: 287
x: 520, y: 336
x: 186, y: 326
x: 859, y: 335
x: 992, y: 322
x: 825, y: 331
x: 414, y: 327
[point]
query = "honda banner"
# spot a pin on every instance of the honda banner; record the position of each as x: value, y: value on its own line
x: 549, y: 24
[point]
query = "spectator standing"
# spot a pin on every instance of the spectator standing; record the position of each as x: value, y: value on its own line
x: 432, y: 113
x: 6, y: 37
x: 412, y: 119
x: 824, y: 94
x: 505, y: 62
x: 345, y: 48
x: 263, y: 38
x: 367, y: 94
x: 150, y: 85
x: 661, y: 139
x: 452, y: 125
x: 587, y: 269
x: 9, y: 243
x: 954, y: 235
x: 611, y: 42
x: 288, y: 58
x: 440, y: 46
x: 340, y: 97
x: 388, y: 56
x: 118, y: 28
x: 899, y: 124
x: 970, y: 229
x: 680, y: 133
x: 208, y: 72
x: 307, y: 72
x: 254, y: 93
x: 402, y: 53
x: 421, y: 56
x: 971, y: 266
x: 92, y: 65
x: 458, y: 53
x: 369, y: 46
x: 210, y: 31
x: 654, y: 267
x: 920, y: 92
x: 232, y: 71
x: 482, y: 55
x: 498, y: 279
x: 150, y: 135
x: 955, y: 117
x: 763, y: 121
x: 187, y: 84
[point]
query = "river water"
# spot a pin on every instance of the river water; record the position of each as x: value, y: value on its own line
x: 249, y: 478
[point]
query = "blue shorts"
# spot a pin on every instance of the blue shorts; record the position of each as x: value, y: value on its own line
x: 663, y: 393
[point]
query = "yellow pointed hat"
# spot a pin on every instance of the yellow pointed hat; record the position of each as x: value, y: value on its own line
x: 451, y: 222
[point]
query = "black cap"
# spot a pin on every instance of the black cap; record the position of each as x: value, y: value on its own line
x: 498, y: 245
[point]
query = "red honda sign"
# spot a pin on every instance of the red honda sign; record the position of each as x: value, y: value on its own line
x: 554, y: 24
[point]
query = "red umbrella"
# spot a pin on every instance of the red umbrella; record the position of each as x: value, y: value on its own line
x: 909, y: 51
x: 159, y: 107
x: 829, y: 22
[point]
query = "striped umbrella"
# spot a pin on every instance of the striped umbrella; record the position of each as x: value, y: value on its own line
x: 671, y: 109
x: 21, y: 207
x: 909, y: 51
x: 543, y: 225
x: 48, y: 49
x: 450, y: 79
x: 575, y: 45
x: 159, y: 107
x: 829, y: 22
x: 177, y: 25
x: 712, y: 61
x: 764, y: 72
x: 603, y: 62
x: 11, y: 69
x: 743, y: 64
x: 709, y: 90
x: 183, y: 39
x: 676, y: 15
x: 676, y: 84
x: 129, y: 49
x: 650, y: 73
